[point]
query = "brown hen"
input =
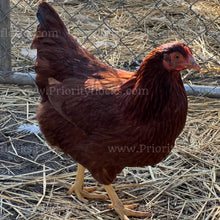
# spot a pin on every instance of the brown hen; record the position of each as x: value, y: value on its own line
x: 107, y: 118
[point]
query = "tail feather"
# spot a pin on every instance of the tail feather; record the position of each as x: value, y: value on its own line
x: 49, y: 19
x: 50, y: 24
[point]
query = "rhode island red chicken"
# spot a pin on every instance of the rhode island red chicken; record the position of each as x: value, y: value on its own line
x: 106, y: 118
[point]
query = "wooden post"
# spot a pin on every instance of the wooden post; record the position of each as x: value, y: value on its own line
x: 5, y: 36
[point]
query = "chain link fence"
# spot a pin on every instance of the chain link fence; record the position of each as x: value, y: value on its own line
x: 33, y: 177
x: 119, y: 32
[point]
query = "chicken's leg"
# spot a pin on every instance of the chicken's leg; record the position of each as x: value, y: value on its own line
x: 81, y: 192
x: 122, y: 210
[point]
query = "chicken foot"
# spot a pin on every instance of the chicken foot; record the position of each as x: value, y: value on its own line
x: 81, y: 191
x: 122, y: 210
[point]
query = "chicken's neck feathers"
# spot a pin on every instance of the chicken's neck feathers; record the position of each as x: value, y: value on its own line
x: 153, y: 89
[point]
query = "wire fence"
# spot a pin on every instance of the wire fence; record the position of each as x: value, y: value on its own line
x: 119, y: 32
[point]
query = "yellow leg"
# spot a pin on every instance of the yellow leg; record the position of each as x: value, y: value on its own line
x: 122, y: 210
x: 81, y: 192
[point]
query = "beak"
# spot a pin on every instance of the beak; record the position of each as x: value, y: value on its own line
x: 192, y: 64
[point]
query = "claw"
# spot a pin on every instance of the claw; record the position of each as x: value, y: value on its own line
x: 123, y: 211
x: 81, y: 191
x: 84, y: 192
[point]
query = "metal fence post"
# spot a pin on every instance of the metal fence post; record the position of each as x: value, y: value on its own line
x: 5, y: 37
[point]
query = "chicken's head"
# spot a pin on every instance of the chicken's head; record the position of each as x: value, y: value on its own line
x: 178, y: 56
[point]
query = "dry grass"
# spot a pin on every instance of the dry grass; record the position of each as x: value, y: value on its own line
x: 35, y: 178
x: 184, y: 186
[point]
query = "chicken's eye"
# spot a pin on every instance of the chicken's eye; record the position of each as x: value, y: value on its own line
x: 177, y: 57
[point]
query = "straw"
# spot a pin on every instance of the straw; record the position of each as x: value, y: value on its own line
x: 35, y: 178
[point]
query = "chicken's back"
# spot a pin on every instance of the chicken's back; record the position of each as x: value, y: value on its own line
x: 59, y: 55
